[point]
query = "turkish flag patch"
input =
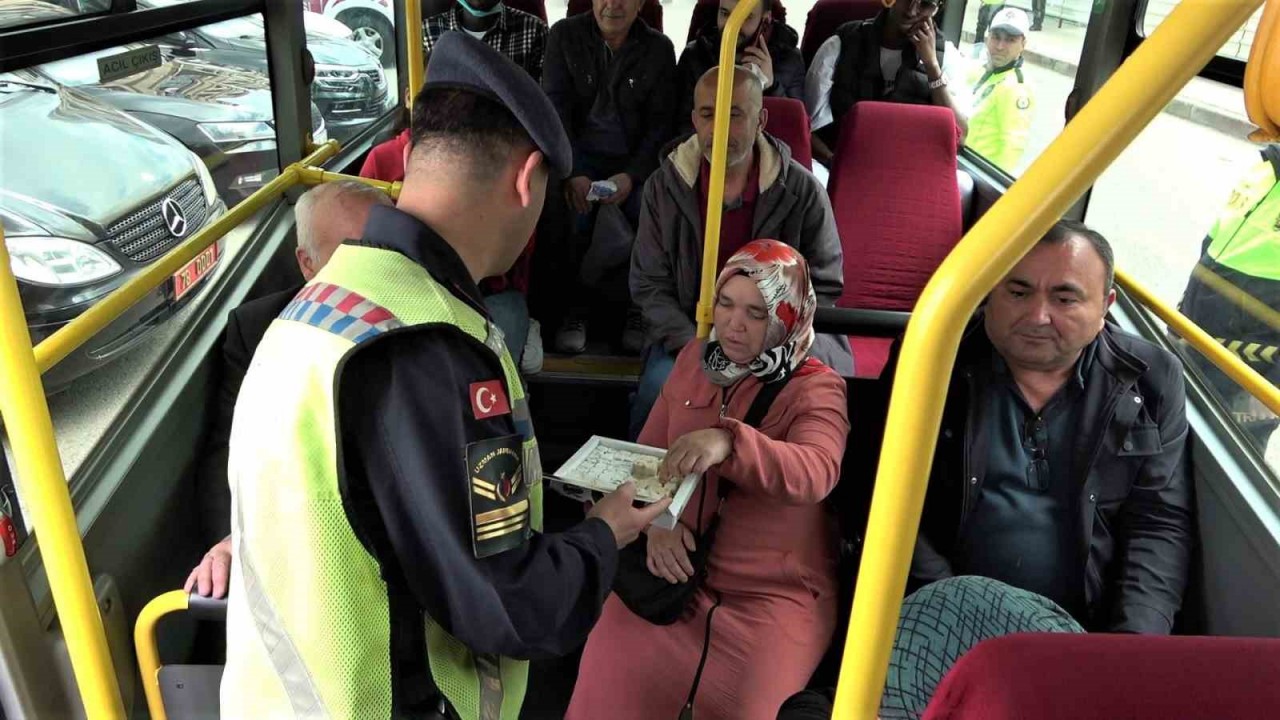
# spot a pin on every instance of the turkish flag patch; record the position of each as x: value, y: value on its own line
x: 489, y: 399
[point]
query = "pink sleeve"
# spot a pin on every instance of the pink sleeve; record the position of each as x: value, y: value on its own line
x: 804, y: 466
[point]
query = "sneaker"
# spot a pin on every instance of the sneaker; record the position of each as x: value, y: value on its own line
x: 633, y: 332
x: 572, y: 336
x: 531, y: 359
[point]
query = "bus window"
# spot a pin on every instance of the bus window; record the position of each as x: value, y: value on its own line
x: 17, y: 13
x: 1236, y: 48
x: 191, y: 132
x: 1017, y: 66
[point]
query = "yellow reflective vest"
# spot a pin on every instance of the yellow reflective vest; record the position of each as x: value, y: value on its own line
x: 1000, y: 119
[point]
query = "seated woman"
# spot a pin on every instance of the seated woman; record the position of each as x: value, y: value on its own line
x: 772, y: 565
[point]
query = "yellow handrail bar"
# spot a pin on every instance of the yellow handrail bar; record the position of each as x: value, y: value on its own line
x: 77, y: 332
x: 1162, y: 64
x: 145, y: 645
x: 47, y: 500
x: 309, y: 175
x: 719, y: 160
x: 1228, y: 362
x: 417, y: 72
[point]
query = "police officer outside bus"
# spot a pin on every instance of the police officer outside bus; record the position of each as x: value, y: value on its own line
x: 1000, y: 121
x: 386, y: 483
x: 1234, y: 292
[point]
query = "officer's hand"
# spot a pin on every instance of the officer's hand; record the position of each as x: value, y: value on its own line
x: 626, y: 521
x: 575, y: 193
x: 668, y: 553
x: 210, y: 577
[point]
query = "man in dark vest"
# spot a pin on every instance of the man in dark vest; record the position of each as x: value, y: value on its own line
x: 897, y: 56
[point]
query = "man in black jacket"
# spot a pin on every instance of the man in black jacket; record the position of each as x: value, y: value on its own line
x: 611, y: 80
x: 326, y: 215
x: 770, y: 48
x: 1059, y: 465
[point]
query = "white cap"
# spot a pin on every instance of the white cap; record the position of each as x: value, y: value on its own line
x: 1012, y: 19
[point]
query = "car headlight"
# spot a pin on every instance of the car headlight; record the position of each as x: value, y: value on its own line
x: 206, y: 181
x: 58, y: 261
x: 228, y: 132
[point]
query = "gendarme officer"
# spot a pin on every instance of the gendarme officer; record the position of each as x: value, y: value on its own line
x: 387, y: 495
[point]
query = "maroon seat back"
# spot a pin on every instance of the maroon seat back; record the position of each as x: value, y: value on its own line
x: 897, y: 207
x: 1053, y: 676
x: 826, y: 16
x: 789, y: 122
x: 650, y: 12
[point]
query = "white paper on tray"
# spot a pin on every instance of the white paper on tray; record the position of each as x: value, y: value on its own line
x: 602, y: 464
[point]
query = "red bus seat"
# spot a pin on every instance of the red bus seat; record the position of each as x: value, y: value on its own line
x: 536, y: 8
x: 789, y: 122
x: 826, y: 16
x: 650, y: 12
x: 1055, y: 676
x: 705, y: 11
x: 897, y: 208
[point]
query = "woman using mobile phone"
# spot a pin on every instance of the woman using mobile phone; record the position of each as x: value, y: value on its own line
x: 767, y: 45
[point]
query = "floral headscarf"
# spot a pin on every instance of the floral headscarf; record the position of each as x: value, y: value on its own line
x: 782, y: 275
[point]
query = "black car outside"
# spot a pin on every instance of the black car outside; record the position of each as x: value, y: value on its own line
x: 89, y: 197
x: 218, y: 109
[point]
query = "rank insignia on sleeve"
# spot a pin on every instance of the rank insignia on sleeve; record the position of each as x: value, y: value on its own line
x: 499, y: 495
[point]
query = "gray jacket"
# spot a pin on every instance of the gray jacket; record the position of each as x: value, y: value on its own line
x: 666, y: 260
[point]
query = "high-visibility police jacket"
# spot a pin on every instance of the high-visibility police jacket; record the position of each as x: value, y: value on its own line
x: 1234, y: 291
x: 386, y: 502
x: 1000, y: 120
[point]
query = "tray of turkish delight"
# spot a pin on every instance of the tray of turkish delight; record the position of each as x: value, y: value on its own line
x: 602, y: 464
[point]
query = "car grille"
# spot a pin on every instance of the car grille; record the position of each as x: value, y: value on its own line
x: 142, y: 235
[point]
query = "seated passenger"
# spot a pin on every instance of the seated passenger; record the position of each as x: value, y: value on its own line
x: 505, y: 296
x: 1000, y: 118
x: 767, y: 194
x: 898, y: 56
x: 938, y: 624
x: 610, y: 77
x: 771, y: 569
x: 770, y: 49
x: 518, y: 35
x: 1059, y: 467
x: 327, y: 214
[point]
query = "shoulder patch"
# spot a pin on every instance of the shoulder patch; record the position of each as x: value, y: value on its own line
x: 340, y: 311
x: 1024, y: 102
x: 488, y: 399
x: 500, y: 510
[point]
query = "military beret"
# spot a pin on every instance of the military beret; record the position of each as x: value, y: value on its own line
x: 463, y: 62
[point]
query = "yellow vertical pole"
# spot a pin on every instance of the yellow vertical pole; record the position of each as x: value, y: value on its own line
x: 47, y: 501
x: 1141, y: 87
x: 719, y: 151
x: 416, y: 73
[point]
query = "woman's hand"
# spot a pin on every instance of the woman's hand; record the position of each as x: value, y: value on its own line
x: 669, y: 553
x: 696, y: 453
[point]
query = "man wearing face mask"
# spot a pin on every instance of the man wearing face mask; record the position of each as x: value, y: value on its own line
x: 767, y: 47
x: 518, y: 35
x: 897, y: 57
x: 767, y: 195
x: 1000, y: 122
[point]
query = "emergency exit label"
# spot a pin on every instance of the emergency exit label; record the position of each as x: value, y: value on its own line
x: 128, y: 63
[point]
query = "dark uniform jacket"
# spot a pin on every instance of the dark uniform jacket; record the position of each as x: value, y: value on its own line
x: 406, y: 419
x: 1135, y: 492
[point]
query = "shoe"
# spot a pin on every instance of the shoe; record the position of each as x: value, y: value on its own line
x: 531, y: 358
x: 633, y: 332
x: 572, y: 336
x: 1036, y: 28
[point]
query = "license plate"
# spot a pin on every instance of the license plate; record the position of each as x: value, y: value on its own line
x: 190, y: 274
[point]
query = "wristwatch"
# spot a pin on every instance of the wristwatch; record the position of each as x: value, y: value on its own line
x: 940, y: 82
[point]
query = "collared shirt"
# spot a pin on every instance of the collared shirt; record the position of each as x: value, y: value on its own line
x: 518, y: 35
x: 1024, y: 529
x: 738, y: 217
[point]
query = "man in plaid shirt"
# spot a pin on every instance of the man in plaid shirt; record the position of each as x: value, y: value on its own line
x: 518, y: 35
